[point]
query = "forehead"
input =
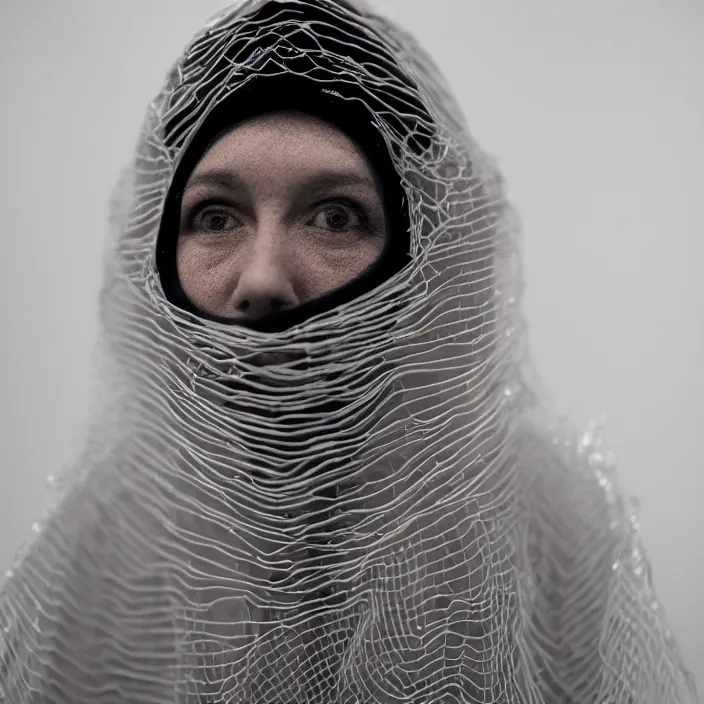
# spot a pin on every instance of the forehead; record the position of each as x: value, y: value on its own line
x: 284, y: 137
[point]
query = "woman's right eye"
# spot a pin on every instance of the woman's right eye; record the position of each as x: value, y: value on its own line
x: 214, y: 220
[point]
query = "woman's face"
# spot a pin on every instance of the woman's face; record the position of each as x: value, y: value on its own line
x: 279, y: 211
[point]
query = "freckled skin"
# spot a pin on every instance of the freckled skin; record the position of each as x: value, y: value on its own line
x: 279, y: 210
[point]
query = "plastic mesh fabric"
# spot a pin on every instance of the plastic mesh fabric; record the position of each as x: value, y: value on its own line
x: 378, y: 513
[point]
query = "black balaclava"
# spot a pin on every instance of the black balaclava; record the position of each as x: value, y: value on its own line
x: 291, y: 93
x: 343, y: 104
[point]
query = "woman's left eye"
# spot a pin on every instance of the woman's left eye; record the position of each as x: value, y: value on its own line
x: 337, y: 217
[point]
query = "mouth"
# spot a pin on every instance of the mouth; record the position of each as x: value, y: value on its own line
x: 270, y: 373
x: 275, y: 359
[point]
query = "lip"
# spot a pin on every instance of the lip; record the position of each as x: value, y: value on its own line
x: 273, y: 374
x: 266, y: 359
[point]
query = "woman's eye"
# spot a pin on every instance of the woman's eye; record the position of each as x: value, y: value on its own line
x: 337, y: 217
x: 214, y: 221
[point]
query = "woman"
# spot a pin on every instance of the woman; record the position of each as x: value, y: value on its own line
x: 320, y: 473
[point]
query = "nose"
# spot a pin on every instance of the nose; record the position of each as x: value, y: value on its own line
x: 264, y: 285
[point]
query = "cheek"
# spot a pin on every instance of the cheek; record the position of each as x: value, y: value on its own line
x: 207, y: 274
x: 329, y: 268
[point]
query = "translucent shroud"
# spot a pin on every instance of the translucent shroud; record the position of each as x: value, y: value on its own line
x: 229, y: 535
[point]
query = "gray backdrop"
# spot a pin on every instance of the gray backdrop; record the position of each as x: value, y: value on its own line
x: 595, y: 111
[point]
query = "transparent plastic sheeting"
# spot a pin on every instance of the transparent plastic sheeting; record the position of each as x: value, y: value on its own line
x: 229, y: 534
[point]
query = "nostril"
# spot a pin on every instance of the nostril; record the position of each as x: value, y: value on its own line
x: 264, y: 306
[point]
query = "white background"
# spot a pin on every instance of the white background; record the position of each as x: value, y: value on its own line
x: 596, y: 111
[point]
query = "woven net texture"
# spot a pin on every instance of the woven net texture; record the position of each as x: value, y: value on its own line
x: 383, y: 516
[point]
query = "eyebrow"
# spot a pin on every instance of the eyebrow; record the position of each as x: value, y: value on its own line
x: 323, y: 180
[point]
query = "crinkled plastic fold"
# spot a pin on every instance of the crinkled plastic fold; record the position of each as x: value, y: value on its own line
x: 381, y: 514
